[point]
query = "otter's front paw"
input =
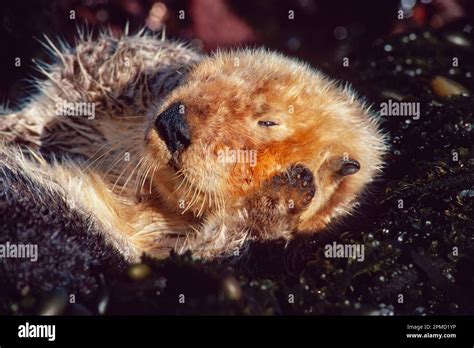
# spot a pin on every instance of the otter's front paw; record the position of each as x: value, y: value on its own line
x: 295, y: 188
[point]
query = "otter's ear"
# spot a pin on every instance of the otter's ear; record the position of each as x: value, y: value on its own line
x: 345, y: 166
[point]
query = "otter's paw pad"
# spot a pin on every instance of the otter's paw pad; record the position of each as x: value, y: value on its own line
x: 296, y: 186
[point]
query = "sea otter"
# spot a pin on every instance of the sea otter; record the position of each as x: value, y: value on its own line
x: 163, y: 148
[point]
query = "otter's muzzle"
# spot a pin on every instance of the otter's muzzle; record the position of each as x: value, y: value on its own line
x: 173, y: 129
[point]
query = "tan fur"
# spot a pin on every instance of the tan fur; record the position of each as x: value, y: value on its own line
x: 212, y: 208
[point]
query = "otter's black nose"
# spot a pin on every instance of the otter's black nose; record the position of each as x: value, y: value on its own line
x: 172, y: 127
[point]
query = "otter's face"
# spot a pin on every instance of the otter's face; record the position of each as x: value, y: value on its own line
x: 241, y: 118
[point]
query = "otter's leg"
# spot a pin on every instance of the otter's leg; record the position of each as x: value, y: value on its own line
x: 23, y: 129
x: 274, y: 210
x: 96, y: 92
x: 271, y: 212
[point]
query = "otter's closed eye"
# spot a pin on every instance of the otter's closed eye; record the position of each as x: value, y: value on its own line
x: 267, y: 123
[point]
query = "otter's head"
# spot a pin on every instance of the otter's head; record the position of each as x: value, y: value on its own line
x: 242, y: 117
